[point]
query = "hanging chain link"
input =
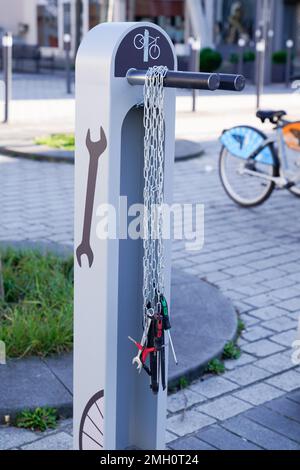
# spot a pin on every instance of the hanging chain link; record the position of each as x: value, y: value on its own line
x: 154, y: 139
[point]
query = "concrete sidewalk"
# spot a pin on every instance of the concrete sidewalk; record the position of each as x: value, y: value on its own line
x: 272, y: 426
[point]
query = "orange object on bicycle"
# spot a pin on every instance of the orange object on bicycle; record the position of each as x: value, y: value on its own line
x: 291, y: 134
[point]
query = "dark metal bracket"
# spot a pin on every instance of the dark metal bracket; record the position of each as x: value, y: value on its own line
x: 192, y: 80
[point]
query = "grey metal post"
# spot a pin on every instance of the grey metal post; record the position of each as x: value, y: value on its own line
x: 195, y: 66
x: 260, y: 66
x: 67, y: 46
x: 194, y: 52
x: 265, y: 24
x: 78, y: 21
x: 289, y: 46
x: 114, y: 408
x: 108, y: 281
x: 7, y: 42
x: 242, y: 44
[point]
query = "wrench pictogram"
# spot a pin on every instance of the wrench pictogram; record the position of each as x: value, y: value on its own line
x: 96, y: 149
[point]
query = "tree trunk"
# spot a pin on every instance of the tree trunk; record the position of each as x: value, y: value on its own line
x: 201, y: 22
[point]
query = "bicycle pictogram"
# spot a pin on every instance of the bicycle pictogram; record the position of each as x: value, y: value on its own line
x: 149, y: 44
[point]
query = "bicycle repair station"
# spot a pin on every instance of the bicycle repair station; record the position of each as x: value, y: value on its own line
x: 126, y: 75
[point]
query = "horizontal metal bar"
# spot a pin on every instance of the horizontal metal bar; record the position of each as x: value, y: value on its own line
x: 192, y: 80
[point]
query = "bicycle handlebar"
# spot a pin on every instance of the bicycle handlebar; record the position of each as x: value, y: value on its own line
x: 192, y: 80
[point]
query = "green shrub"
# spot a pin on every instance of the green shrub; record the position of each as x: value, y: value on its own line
x: 279, y: 57
x: 241, y: 327
x: 183, y: 383
x: 234, y: 58
x: 249, y: 56
x: 215, y: 367
x: 231, y: 351
x: 39, y: 419
x: 210, y: 60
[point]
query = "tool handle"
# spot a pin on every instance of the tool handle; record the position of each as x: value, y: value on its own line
x: 166, y: 323
x: 165, y: 312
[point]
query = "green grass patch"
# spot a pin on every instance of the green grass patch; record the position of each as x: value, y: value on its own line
x: 241, y: 327
x: 183, y: 383
x: 39, y: 419
x: 231, y: 351
x: 58, y: 141
x: 36, y: 314
x: 215, y: 367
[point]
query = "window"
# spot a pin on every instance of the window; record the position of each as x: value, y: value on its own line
x: 94, y: 13
x: 169, y: 14
x: 47, y: 19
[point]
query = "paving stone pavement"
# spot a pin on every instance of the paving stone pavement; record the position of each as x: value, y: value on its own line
x: 22, y: 439
x: 37, y: 205
x: 251, y: 255
x: 275, y: 425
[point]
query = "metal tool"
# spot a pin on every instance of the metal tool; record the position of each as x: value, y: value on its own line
x: 144, y: 353
x: 172, y: 348
x: 96, y: 149
x: 137, y: 359
x: 167, y: 324
x: 154, y: 382
x: 163, y: 367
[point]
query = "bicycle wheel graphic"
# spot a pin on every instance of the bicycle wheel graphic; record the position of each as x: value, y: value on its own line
x: 154, y: 52
x: 138, y: 41
x: 91, y: 424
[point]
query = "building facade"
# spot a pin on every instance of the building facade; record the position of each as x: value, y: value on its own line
x: 218, y: 22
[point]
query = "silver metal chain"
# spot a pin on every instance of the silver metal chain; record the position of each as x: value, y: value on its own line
x: 154, y: 123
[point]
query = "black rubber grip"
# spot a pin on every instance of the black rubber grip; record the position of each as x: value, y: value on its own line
x: 232, y: 82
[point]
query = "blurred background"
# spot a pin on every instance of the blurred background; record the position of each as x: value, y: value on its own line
x: 39, y: 26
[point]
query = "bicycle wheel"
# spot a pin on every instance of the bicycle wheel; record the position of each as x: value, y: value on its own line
x: 138, y: 41
x: 91, y: 424
x: 247, y: 189
x: 293, y: 158
x: 295, y: 190
x: 154, y: 52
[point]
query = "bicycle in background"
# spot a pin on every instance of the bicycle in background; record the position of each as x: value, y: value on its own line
x: 252, y: 165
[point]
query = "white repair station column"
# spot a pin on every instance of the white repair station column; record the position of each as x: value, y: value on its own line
x: 113, y: 404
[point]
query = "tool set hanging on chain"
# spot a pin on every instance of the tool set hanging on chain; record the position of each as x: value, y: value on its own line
x: 152, y: 345
x: 155, y: 316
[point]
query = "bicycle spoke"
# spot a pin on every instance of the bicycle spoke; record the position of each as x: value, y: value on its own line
x: 99, y: 410
x: 92, y: 439
x: 95, y: 424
